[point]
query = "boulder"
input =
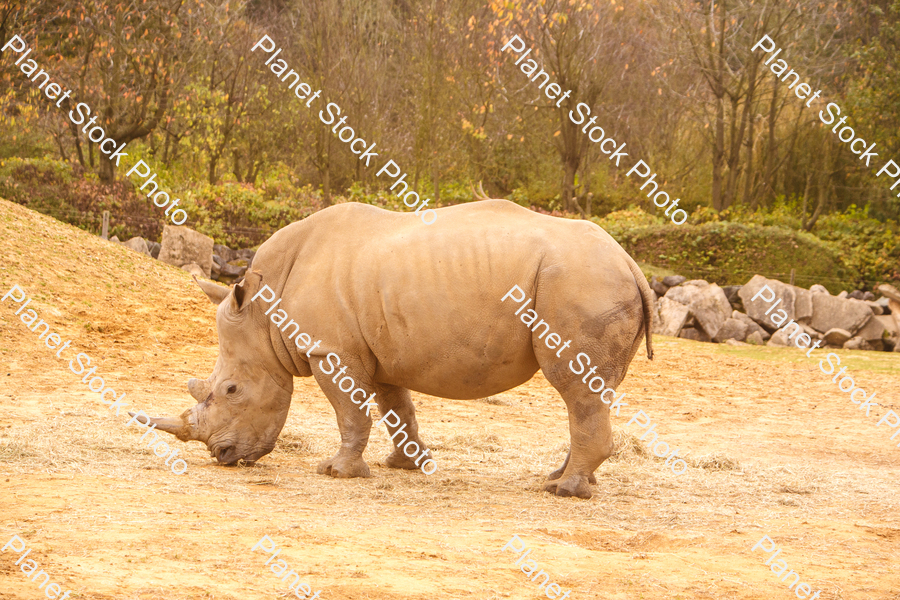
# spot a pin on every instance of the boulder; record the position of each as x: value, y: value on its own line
x: 889, y: 291
x: 698, y: 335
x: 138, y: 244
x: 755, y: 338
x: 182, y: 246
x: 709, y: 306
x: 832, y: 312
x: 673, y: 280
x: 658, y: 286
x: 889, y: 324
x: 683, y: 294
x: 733, y: 329
x: 731, y: 292
x: 154, y: 248
x: 856, y: 295
x: 857, y: 343
x: 843, y: 295
x: 697, y: 282
x: 752, y: 325
x: 872, y: 331
x: 194, y: 269
x: 226, y: 253
x: 672, y: 316
x: 877, y: 309
x: 115, y: 239
x: 837, y: 337
x: 819, y: 289
x: 779, y: 338
x: 795, y: 301
x: 868, y: 296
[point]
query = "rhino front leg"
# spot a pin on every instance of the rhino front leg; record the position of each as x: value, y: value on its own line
x: 402, y: 428
x: 354, y: 426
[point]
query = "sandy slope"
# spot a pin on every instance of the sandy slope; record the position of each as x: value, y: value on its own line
x: 774, y: 447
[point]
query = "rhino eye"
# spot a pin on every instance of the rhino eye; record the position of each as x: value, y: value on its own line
x: 232, y: 389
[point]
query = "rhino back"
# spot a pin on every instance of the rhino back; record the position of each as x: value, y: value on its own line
x: 425, y: 300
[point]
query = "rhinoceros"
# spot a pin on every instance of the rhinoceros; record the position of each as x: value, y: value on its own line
x: 408, y: 306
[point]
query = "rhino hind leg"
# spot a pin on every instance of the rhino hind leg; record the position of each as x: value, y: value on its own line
x: 591, y: 445
x: 398, y: 400
x: 589, y: 429
x: 558, y: 473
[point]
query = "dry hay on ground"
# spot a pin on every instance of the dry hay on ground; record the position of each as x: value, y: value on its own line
x: 772, y: 447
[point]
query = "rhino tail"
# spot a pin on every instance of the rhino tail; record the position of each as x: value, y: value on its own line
x: 646, y: 302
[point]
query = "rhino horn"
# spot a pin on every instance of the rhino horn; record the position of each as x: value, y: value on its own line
x: 181, y: 427
x: 199, y: 389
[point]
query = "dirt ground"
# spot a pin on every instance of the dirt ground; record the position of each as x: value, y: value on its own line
x: 773, y: 449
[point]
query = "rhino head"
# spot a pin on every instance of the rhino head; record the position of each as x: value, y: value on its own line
x: 241, y: 408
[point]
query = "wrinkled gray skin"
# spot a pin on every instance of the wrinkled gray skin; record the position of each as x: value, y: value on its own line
x: 409, y: 306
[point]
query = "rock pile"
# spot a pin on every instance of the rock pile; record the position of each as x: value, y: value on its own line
x: 703, y: 311
x: 195, y: 253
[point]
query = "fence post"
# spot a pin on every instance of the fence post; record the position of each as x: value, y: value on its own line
x: 105, y: 234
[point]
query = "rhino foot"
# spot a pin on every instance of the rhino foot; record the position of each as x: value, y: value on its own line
x: 398, y: 460
x: 344, y: 467
x: 558, y: 473
x: 573, y: 485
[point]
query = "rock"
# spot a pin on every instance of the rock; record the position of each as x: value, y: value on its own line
x: 226, y: 253
x: 731, y: 292
x: 795, y: 301
x: 857, y: 343
x: 672, y: 316
x: 877, y: 309
x: 733, y: 329
x: 856, y: 295
x: 837, y: 337
x: 683, y: 294
x: 755, y: 338
x: 832, y: 312
x: 868, y: 296
x: 154, y: 248
x: 889, y: 291
x: 893, y: 310
x: 733, y: 342
x: 673, y: 280
x: 751, y: 324
x: 696, y: 282
x: 710, y: 308
x: 843, y: 295
x: 182, y: 246
x: 707, y: 304
x: 658, y: 286
x: 872, y: 331
x: 812, y: 333
x: 779, y: 338
x: 889, y: 324
x: 115, y: 239
x: 138, y: 244
x: 194, y: 269
x: 819, y: 289
x: 698, y: 335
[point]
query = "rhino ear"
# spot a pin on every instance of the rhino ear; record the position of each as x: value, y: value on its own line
x: 249, y: 285
x: 215, y: 293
